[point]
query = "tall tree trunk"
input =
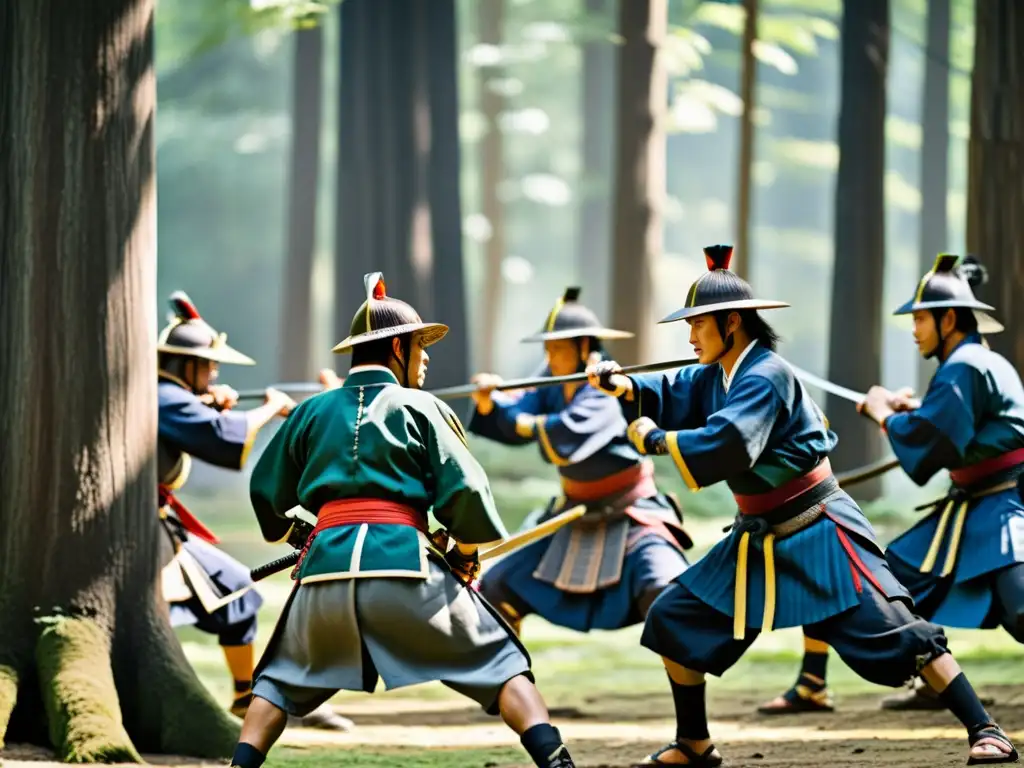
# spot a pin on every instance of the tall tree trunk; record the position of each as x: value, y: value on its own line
x: 398, y: 177
x: 639, y: 171
x: 748, y: 83
x: 492, y: 173
x: 855, y: 341
x: 934, y: 150
x: 88, y: 660
x: 995, y: 197
x: 307, y: 99
x: 594, y: 237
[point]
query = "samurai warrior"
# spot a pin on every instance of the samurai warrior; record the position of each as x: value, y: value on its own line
x: 603, y: 571
x: 964, y: 561
x: 800, y: 552
x: 375, y: 596
x: 197, y: 419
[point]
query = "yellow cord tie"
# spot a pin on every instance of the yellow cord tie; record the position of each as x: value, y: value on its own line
x: 940, y: 532
x: 954, y: 541
x: 739, y: 621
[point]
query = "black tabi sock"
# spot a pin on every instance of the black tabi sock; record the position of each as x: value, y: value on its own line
x: 691, y: 711
x: 544, y: 743
x: 814, y: 664
x: 247, y: 756
x: 963, y: 702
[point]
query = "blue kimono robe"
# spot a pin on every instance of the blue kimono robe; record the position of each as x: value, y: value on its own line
x: 589, y: 575
x: 761, y: 433
x: 189, y: 428
x: 972, y: 412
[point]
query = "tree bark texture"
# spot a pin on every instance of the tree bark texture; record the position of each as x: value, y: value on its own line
x: 399, y: 208
x: 995, y: 171
x: 88, y: 661
x: 934, y: 151
x: 307, y: 100
x: 748, y: 90
x: 639, y: 172
x: 491, y: 15
x: 598, y: 105
x: 855, y: 341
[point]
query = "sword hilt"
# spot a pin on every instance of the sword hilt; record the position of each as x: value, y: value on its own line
x: 276, y: 566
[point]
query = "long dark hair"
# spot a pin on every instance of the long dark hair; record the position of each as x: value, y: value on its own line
x: 756, y: 327
x: 974, y: 272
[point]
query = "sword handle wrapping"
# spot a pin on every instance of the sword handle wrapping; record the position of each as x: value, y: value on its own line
x: 276, y: 566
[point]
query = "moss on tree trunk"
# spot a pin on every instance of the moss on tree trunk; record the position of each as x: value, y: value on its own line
x: 8, y: 697
x: 79, y: 695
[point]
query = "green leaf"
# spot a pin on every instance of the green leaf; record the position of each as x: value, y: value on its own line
x: 690, y: 114
x: 793, y: 32
x: 727, y: 16
x: 716, y: 96
x: 684, y: 52
x: 831, y: 8
x: 773, y: 55
x: 824, y: 28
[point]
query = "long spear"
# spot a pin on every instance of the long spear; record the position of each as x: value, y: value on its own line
x: 466, y: 390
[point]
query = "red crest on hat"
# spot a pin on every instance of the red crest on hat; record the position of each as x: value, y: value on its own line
x: 718, y: 256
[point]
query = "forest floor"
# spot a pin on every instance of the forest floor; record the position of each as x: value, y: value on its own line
x: 610, y: 700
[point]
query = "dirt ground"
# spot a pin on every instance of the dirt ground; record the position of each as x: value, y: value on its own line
x: 617, y: 731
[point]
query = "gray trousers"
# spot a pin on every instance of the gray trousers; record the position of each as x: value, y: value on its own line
x: 344, y: 635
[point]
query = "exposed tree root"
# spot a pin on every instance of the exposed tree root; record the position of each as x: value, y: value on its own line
x: 8, y: 696
x: 79, y: 695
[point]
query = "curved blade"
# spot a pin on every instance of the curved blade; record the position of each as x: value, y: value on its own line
x: 824, y: 384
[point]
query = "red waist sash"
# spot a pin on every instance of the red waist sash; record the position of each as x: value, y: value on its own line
x: 188, y: 521
x: 759, y: 504
x: 335, y: 514
x: 636, y: 482
x: 975, y: 473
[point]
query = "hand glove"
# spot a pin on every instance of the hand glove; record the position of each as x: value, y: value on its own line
x: 606, y: 378
x: 640, y: 433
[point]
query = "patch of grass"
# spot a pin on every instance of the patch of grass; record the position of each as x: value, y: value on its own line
x: 408, y: 758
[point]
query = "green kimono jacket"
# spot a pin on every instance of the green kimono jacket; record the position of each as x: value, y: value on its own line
x: 372, y: 438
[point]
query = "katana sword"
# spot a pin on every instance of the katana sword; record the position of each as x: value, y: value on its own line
x: 824, y: 384
x: 861, y: 474
x: 865, y: 473
x: 212, y: 603
x: 511, y: 544
x: 467, y: 390
x: 289, y: 388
